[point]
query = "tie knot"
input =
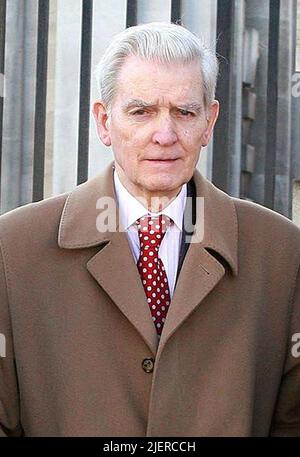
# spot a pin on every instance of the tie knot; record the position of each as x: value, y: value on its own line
x: 152, y: 230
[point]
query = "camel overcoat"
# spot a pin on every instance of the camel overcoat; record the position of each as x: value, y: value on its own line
x: 77, y: 325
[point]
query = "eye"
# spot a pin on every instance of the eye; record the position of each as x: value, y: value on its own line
x: 139, y: 112
x: 186, y: 113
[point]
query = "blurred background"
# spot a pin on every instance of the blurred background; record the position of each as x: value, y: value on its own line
x: 48, y: 53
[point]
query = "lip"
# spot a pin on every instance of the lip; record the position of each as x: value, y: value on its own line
x: 161, y: 160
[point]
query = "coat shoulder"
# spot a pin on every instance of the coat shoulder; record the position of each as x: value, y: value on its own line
x: 264, y: 222
x: 39, y: 217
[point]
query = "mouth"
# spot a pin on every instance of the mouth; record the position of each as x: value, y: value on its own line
x: 162, y: 161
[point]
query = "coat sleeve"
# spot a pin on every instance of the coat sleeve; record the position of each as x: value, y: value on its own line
x: 9, y: 395
x: 286, y: 418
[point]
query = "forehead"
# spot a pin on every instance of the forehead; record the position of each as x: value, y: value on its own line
x: 148, y: 80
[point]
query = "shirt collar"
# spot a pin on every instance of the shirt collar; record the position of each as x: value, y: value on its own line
x: 131, y: 209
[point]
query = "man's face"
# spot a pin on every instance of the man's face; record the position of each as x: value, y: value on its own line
x: 158, y: 125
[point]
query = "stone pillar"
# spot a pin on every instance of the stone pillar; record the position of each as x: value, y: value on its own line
x: 200, y: 18
x: 153, y: 11
x: 227, y: 139
x: 49, y: 143
x: 295, y: 138
x: 109, y: 18
x: 257, y: 17
x: 236, y: 81
x: 65, y: 115
x: 283, y: 196
x: 19, y: 103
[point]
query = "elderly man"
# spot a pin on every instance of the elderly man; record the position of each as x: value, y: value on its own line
x: 177, y: 320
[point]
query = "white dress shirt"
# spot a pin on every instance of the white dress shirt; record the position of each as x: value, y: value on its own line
x: 130, y: 209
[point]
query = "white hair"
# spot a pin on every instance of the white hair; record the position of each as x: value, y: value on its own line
x: 163, y: 43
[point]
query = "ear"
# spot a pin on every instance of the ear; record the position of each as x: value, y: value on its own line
x: 212, y: 116
x: 102, y: 122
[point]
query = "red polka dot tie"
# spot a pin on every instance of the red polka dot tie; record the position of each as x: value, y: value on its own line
x: 152, y: 271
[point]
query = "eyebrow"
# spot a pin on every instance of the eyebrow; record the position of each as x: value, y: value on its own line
x: 191, y: 107
x: 138, y: 103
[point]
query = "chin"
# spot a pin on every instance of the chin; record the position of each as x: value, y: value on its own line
x: 163, y: 185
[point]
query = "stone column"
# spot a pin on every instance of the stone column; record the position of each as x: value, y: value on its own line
x: 109, y: 18
x: 153, y: 11
x: 257, y: 17
x: 49, y: 143
x: 65, y: 115
x: 295, y: 138
x: 236, y: 81
x: 19, y: 103
x: 200, y: 18
x: 283, y: 197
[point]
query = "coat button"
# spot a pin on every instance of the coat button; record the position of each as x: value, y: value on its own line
x: 148, y: 365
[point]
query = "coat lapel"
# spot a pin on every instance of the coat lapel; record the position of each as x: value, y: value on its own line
x: 200, y: 273
x: 115, y: 271
x: 113, y: 266
x: 205, y: 252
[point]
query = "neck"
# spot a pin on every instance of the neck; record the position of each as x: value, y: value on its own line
x: 155, y: 201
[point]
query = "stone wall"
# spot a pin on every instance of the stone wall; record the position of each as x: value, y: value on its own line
x: 296, y: 186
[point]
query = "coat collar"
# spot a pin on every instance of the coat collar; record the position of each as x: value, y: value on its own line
x: 220, y: 225
x: 78, y: 225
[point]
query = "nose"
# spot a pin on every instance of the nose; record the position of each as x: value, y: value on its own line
x: 165, y: 134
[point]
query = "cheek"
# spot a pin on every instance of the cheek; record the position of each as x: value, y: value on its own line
x: 192, y: 140
x: 126, y: 148
x: 129, y: 138
x: 118, y: 135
